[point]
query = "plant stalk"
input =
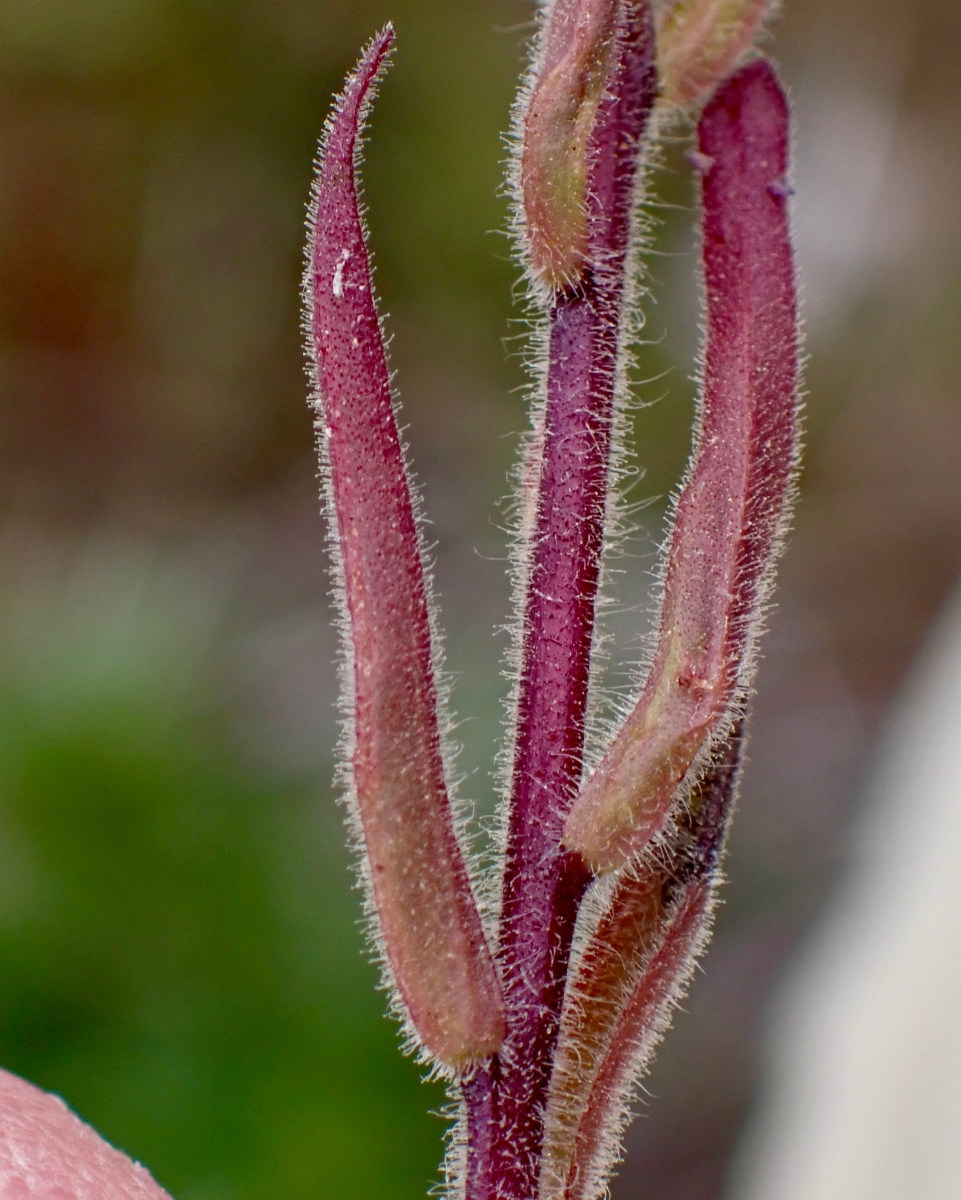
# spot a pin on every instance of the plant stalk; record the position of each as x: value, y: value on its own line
x: 543, y: 885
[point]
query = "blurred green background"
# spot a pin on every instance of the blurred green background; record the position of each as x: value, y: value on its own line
x: 180, y: 953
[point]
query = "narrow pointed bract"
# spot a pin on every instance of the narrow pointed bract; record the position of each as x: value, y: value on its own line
x: 731, y: 513
x: 429, y: 924
x: 625, y: 983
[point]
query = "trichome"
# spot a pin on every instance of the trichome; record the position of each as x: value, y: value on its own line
x: 544, y: 1018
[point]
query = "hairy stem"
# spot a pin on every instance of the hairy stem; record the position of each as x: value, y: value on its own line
x: 543, y: 886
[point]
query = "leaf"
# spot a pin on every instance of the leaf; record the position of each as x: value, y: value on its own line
x: 431, y: 930
x: 732, y: 512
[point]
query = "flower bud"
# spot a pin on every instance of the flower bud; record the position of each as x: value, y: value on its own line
x: 699, y: 41
x: 567, y: 90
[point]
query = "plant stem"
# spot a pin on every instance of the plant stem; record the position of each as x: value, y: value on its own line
x: 543, y: 886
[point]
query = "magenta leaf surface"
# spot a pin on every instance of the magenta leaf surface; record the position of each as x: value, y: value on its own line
x: 430, y: 927
x: 731, y: 513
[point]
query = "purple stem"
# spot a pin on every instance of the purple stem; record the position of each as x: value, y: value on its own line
x: 543, y: 886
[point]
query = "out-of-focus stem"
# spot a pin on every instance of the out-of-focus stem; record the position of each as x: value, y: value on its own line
x: 431, y: 929
x: 733, y: 507
x: 543, y: 886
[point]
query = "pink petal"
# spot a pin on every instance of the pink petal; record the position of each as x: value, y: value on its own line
x: 46, y: 1153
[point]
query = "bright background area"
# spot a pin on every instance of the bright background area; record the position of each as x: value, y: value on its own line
x: 179, y: 949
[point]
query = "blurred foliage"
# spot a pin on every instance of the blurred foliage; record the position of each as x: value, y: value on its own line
x: 156, y: 158
x: 179, y: 951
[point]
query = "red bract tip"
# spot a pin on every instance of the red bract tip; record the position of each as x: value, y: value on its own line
x: 431, y: 930
x: 731, y: 514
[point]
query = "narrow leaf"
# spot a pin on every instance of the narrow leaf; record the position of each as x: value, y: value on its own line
x: 431, y: 930
x: 731, y: 514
